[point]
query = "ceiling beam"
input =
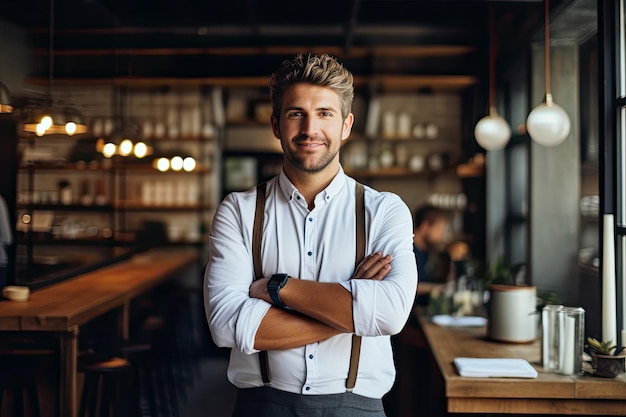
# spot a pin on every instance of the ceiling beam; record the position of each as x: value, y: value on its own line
x: 354, y: 52
x: 384, y: 82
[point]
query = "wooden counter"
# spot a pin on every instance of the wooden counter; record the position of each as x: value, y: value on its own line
x: 549, y: 393
x: 62, y: 308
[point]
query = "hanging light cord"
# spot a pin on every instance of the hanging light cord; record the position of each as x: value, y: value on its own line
x: 547, y: 44
x: 492, y: 60
x: 51, y: 48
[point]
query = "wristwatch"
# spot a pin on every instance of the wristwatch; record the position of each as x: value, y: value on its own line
x: 276, y: 282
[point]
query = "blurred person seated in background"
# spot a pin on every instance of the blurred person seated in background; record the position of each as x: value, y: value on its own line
x: 435, y: 255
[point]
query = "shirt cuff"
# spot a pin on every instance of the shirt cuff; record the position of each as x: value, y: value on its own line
x: 363, y: 315
x: 248, y: 322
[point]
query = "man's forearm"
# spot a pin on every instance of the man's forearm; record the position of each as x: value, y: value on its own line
x: 281, y: 329
x: 327, y: 302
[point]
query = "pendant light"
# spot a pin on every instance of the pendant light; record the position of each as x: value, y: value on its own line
x: 548, y: 124
x: 124, y: 140
x: 492, y: 132
x: 5, y: 99
x: 54, y: 118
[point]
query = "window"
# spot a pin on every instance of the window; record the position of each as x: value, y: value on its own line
x: 620, y: 171
x: 613, y: 133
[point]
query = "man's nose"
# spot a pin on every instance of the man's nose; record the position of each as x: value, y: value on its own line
x: 309, y: 126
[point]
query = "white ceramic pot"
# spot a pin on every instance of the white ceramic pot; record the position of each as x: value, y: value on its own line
x: 512, y: 313
x: 16, y: 293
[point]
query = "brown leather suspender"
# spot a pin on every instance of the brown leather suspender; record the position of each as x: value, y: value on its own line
x: 257, y: 231
x: 360, y: 254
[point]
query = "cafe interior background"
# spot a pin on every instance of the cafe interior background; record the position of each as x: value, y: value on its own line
x: 186, y: 82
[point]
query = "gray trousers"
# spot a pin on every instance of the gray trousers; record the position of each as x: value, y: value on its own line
x: 270, y: 402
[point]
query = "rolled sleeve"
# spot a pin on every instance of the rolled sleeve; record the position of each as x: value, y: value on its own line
x: 381, y: 308
x: 233, y: 316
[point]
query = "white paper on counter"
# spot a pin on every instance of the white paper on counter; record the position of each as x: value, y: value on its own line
x: 495, y: 368
x: 462, y: 321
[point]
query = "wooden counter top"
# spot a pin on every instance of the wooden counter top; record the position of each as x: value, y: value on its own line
x: 72, y: 302
x: 549, y: 393
x: 62, y: 308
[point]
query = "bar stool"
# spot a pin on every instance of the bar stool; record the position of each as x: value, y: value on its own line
x: 107, y: 388
x: 17, y: 376
x: 162, y: 364
x: 141, y: 359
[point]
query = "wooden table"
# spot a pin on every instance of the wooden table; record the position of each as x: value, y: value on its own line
x: 549, y: 393
x: 62, y: 308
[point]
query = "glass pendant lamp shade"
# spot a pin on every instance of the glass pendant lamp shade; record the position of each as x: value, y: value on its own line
x: 5, y: 99
x: 492, y: 132
x: 548, y: 124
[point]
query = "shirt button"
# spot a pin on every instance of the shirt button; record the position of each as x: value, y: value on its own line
x: 310, y: 219
x: 308, y: 388
x: 310, y: 356
x: 309, y: 253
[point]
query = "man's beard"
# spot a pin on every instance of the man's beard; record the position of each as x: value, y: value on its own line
x: 303, y: 164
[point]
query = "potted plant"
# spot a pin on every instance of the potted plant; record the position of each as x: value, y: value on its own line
x: 607, y: 359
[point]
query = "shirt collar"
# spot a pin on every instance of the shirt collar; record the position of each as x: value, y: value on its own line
x: 291, y: 193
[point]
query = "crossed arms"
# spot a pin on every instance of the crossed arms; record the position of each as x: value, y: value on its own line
x: 373, y: 300
x: 320, y: 309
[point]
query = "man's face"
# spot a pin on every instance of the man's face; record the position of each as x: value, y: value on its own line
x: 436, y: 234
x: 311, y: 128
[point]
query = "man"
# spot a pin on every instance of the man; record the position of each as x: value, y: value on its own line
x: 430, y: 226
x: 311, y: 299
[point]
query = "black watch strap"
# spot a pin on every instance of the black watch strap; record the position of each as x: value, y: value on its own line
x: 275, y: 283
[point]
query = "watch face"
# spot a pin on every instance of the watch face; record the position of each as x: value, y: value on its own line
x: 275, y: 283
x: 277, y: 280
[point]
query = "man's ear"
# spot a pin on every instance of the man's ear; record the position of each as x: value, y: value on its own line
x: 275, y: 127
x: 347, y: 126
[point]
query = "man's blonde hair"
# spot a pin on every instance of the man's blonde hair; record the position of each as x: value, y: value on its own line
x: 321, y: 70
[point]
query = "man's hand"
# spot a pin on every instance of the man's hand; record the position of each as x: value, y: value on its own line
x: 374, y: 266
x: 325, y: 307
x: 258, y: 289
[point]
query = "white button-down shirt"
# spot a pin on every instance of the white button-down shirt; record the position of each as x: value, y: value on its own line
x: 317, y: 245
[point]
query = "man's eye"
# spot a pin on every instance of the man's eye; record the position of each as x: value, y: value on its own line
x: 326, y: 114
x: 295, y: 114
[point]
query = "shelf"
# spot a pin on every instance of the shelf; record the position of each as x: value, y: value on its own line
x: 397, y: 172
x: 149, y: 169
x: 181, y: 138
x: 65, y: 166
x: 470, y: 171
x: 124, y: 239
x: 39, y: 240
x: 387, y: 82
x: 398, y: 139
x: 590, y: 219
x: 138, y: 206
x: 589, y: 270
x: 64, y: 207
